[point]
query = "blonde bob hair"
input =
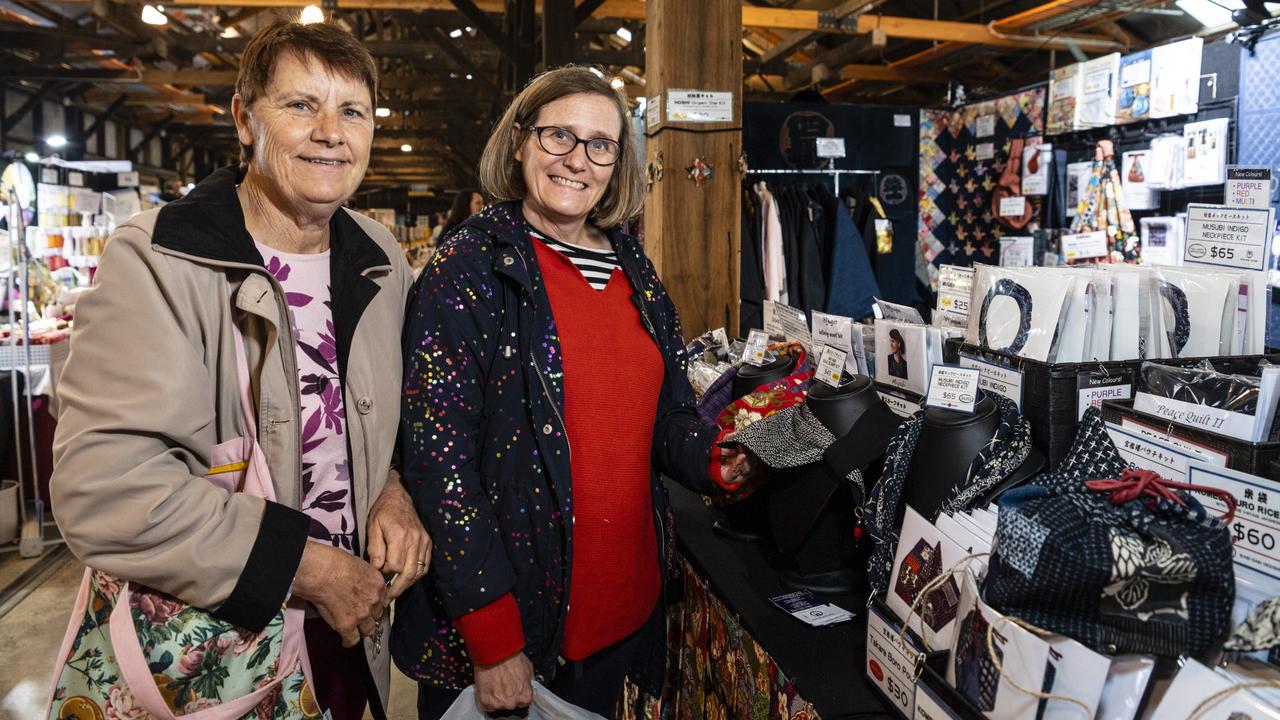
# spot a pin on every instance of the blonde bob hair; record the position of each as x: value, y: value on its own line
x: 500, y: 172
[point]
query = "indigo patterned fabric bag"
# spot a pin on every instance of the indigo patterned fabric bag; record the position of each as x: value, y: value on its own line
x: 1119, y: 559
x: 134, y: 653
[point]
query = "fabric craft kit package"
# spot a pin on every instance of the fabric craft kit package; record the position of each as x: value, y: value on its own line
x: 904, y: 354
x: 1018, y: 311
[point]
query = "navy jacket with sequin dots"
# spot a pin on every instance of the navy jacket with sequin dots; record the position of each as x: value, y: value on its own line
x: 485, y: 453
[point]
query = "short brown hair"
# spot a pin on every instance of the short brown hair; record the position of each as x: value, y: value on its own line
x: 331, y: 46
x: 500, y: 174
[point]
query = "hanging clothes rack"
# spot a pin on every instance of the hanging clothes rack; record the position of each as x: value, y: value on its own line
x: 834, y: 172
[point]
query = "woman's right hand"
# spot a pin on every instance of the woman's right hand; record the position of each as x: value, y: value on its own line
x: 348, y: 592
x: 507, y: 685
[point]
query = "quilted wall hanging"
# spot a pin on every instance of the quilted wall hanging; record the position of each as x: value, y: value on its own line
x: 963, y: 152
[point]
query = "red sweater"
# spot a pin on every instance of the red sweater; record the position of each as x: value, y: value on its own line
x: 613, y: 374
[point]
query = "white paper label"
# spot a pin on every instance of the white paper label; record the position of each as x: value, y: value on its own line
x: 49, y: 176
x: 653, y: 112
x: 1013, y: 206
x: 1248, y: 187
x: 699, y: 106
x: 998, y: 379
x: 929, y: 707
x: 1256, y: 528
x: 898, y: 404
x: 757, y: 344
x: 830, y: 147
x: 1228, y: 237
x: 889, y: 665
x: 1084, y: 245
x: 1092, y: 390
x: 127, y: 179
x: 1135, y: 73
x: 1210, y: 419
x: 831, y: 365
x: 787, y: 322
x: 1166, y: 460
x: 986, y: 126
x: 1202, y: 452
x: 75, y: 179
x: 985, y: 151
x: 837, y: 332
x: 902, y: 120
x: 953, y: 388
x: 1017, y: 251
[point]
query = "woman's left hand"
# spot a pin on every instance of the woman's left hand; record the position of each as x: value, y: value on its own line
x: 397, y: 541
x: 738, y: 464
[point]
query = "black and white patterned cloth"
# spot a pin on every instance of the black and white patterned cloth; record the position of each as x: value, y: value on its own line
x: 596, y: 266
x: 996, y: 461
x: 795, y: 437
x: 1259, y: 631
x: 1145, y: 576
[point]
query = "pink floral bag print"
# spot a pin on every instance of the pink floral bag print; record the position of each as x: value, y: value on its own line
x: 134, y: 653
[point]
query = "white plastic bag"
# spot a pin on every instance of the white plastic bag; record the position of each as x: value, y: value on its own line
x: 546, y: 706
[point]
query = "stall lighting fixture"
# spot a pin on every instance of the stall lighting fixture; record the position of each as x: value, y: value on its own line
x: 625, y: 34
x: 467, y: 30
x: 469, y: 76
x: 406, y: 148
x: 617, y: 83
x: 1210, y: 13
x: 31, y: 157
x: 382, y: 112
x: 311, y: 14
x: 55, y: 141
x: 597, y: 73
x: 191, y: 186
x: 455, y: 33
x: 230, y: 33
x: 153, y: 15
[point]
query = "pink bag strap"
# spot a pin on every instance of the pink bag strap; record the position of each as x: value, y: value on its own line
x: 247, y: 407
x: 293, y: 652
x: 137, y: 675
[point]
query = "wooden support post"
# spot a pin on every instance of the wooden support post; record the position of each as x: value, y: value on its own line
x: 558, y: 36
x: 691, y: 231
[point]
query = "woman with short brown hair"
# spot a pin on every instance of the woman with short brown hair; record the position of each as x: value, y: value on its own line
x: 265, y: 257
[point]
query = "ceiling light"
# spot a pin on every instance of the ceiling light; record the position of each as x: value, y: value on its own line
x: 1210, y: 13
x: 55, y: 141
x: 455, y: 33
x: 468, y: 76
x: 31, y: 157
x: 596, y: 72
x: 191, y: 186
x: 406, y: 148
x: 382, y: 112
x: 153, y: 16
x: 311, y: 14
x: 468, y: 30
x: 230, y: 33
x: 617, y: 83
x: 624, y: 33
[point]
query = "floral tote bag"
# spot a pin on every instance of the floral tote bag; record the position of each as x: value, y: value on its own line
x: 134, y: 653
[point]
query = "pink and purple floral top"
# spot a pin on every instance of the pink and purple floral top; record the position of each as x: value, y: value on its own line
x: 326, y: 477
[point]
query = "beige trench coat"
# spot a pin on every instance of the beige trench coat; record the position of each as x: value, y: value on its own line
x: 150, y: 387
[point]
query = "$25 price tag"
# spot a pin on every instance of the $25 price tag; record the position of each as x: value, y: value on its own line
x: 757, y: 344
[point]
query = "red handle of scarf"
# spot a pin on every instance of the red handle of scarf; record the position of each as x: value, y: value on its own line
x: 1133, y: 484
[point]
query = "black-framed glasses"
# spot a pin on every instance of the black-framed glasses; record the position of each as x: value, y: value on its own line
x: 558, y: 141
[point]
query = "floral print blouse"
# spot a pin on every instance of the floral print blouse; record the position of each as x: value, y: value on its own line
x: 326, y: 477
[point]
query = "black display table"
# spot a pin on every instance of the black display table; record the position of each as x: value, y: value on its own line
x: 819, y: 671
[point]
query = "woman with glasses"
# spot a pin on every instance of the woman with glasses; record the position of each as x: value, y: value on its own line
x: 545, y: 391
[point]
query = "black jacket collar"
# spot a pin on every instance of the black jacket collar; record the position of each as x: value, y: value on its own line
x: 209, y: 223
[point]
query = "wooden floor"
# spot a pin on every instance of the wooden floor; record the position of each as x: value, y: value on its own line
x: 32, y: 630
